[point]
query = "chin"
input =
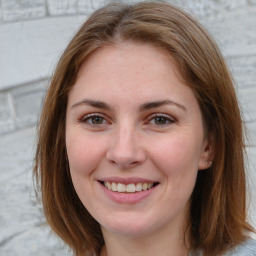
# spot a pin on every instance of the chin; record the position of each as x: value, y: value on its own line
x: 130, y: 228
x: 131, y: 232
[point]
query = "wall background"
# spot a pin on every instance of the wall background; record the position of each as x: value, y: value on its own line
x: 33, y: 33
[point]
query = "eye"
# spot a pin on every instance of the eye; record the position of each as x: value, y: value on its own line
x: 161, y: 120
x: 94, y: 120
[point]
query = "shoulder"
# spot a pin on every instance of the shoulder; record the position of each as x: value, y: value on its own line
x: 247, y: 248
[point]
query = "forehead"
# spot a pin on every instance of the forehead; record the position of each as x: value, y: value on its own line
x: 127, y: 63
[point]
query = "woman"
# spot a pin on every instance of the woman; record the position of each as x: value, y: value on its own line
x: 140, y: 147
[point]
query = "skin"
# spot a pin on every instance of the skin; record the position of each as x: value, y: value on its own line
x: 122, y: 138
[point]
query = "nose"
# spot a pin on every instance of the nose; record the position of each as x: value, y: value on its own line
x: 125, y: 148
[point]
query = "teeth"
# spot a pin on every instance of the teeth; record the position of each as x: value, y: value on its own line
x: 138, y: 187
x: 114, y: 186
x: 108, y: 185
x: 145, y: 186
x: 121, y: 187
x: 130, y: 188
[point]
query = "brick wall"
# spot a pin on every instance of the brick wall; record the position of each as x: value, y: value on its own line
x: 33, y: 33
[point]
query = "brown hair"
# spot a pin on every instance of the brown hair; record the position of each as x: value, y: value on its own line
x: 218, y: 203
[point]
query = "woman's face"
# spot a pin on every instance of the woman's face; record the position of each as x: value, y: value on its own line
x: 135, y: 140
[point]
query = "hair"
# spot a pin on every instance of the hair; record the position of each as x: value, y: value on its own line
x: 218, y: 203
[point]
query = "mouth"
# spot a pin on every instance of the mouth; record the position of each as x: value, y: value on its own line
x: 128, y: 188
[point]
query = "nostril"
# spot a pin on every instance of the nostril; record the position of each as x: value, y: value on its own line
x: 123, y: 162
x: 125, y: 153
x: 112, y: 161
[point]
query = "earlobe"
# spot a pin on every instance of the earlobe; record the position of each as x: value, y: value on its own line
x: 207, y: 154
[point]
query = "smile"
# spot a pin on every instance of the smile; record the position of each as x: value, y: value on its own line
x: 128, y: 188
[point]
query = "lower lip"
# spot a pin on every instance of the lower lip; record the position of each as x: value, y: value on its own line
x: 127, y: 198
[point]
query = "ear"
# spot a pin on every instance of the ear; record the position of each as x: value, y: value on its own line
x: 207, y: 154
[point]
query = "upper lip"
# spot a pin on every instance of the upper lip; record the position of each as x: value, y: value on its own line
x: 127, y: 181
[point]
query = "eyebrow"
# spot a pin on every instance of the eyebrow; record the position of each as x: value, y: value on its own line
x: 92, y: 103
x: 143, y: 107
x: 157, y: 104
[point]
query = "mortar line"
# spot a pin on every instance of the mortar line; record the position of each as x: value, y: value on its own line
x: 12, y: 108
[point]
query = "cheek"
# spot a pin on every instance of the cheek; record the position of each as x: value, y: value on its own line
x: 83, y: 154
x: 177, y: 151
x: 178, y: 159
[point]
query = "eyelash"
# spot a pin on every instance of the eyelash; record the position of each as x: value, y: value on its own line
x: 85, y: 119
x: 166, y: 118
x: 88, y: 119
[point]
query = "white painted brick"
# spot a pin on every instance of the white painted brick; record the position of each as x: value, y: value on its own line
x: 1, y: 17
x: 204, y: 8
x: 248, y: 103
x: 6, y: 115
x: 251, y: 130
x: 200, y: 7
x: 29, y: 50
x: 88, y: 6
x: 252, y: 2
x: 16, y: 153
x: 17, y: 216
x: 235, y: 31
x: 61, y: 7
x: 14, y: 10
x: 232, y: 4
x: 212, y: 8
x: 251, y: 180
x: 18, y: 211
x: 22, y: 230
x: 244, y: 70
x: 37, y: 241
x: 28, y: 102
